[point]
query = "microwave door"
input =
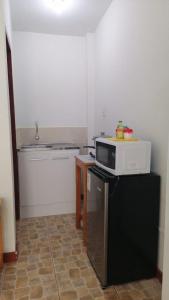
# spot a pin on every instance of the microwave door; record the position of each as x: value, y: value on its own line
x: 106, y: 155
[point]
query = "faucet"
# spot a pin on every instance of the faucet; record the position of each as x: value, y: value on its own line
x: 37, y: 137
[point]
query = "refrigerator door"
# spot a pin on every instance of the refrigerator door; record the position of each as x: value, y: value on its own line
x: 97, y: 218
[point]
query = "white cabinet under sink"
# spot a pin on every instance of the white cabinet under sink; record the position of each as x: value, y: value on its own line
x: 47, y: 182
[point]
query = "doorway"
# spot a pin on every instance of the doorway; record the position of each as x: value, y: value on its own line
x: 13, y: 129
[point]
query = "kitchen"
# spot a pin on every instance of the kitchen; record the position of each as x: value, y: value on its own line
x: 119, y: 72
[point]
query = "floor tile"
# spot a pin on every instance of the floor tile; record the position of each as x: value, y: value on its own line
x: 53, y: 265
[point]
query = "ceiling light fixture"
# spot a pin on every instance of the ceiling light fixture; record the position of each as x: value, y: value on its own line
x: 60, y: 5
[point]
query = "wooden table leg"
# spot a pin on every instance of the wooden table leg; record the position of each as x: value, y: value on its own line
x: 1, y: 247
x: 78, y: 197
x: 1, y: 238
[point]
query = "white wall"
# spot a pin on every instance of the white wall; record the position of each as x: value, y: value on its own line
x: 50, y: 80
x: 8, y: 25
x: 132, y: 71
x: 6, y: 167
x: 90, y: 48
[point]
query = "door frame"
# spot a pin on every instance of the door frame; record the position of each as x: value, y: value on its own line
x: 13, y: 129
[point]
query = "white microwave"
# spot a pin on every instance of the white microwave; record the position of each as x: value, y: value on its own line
x: 123, y: 157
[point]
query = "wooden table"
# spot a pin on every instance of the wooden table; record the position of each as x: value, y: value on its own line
x: 83, y: 162
x: 1, y: 239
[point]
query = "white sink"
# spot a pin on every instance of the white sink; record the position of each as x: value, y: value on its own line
x: 39, y: 145
x: 50, y: 146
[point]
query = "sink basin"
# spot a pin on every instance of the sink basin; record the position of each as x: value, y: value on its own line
x: 51, y: 146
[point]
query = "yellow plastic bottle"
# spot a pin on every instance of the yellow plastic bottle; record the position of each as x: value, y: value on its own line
x: 120, y: 130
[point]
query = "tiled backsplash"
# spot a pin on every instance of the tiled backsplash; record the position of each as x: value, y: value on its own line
x: 75, y: 135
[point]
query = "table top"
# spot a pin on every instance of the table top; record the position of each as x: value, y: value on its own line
x: 86, y: 159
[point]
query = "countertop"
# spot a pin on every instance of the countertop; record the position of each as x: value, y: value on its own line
x: 50, y: 146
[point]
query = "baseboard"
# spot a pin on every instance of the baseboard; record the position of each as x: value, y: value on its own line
x: 159, y: 275
x: 40, y: 210
x: 10, y: 257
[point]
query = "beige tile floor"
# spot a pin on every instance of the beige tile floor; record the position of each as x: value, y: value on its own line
x: 53, y: 265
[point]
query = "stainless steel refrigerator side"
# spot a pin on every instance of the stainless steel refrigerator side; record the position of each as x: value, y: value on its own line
x: 106, y: 193
x: 97, y: 214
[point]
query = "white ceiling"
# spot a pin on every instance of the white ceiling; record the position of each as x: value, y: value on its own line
x: 38, y: 16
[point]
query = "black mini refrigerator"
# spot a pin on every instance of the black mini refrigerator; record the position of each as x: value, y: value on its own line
x: 122, y: 223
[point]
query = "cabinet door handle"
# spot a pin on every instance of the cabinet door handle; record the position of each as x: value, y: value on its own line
x: 38, y: 159
x: 60, y: 158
